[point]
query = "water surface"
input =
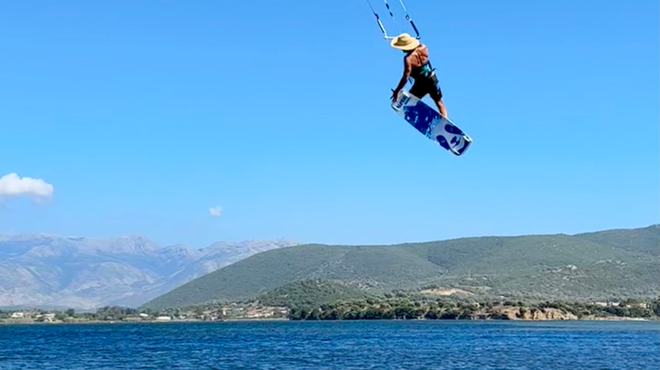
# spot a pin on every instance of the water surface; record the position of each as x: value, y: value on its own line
x: 285, y: 345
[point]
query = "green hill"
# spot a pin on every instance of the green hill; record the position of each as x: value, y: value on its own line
x: 601, y: 265
x: 645, y: 240
x: 311, y: 292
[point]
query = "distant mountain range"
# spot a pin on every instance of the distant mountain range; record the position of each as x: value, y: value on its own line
x: 85, y: 273
x: 610, y: 264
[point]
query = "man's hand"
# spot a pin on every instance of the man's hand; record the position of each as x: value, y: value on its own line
x: 395, y: 94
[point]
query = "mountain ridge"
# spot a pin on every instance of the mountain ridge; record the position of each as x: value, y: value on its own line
x: 593, y: 265
x: 43, y: 270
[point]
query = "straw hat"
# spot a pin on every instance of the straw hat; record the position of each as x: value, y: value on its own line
x: 404, y: 42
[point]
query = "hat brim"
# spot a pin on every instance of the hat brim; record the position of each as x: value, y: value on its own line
x: 406, y: 47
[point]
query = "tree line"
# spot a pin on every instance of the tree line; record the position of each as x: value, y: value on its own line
x: 407, y: 309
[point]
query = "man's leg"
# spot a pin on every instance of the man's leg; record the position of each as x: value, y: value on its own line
x: 441, y: 107
x: 418, y: 90
x: 436, y: 95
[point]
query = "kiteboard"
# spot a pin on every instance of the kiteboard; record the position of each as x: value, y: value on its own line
x: 431, y: 123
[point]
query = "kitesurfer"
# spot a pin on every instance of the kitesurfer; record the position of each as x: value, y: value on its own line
x: 418, y: 66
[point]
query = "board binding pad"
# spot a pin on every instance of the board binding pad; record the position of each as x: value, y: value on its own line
x: 431, y: 123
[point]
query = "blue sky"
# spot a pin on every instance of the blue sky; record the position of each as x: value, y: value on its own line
x: 144, y: 115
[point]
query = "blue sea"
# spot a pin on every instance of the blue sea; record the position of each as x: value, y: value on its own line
x: 593, y: 345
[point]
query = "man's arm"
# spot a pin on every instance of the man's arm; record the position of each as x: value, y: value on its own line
x: 407, y: 67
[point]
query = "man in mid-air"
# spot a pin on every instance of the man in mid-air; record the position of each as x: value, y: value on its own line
x: 418, y: 66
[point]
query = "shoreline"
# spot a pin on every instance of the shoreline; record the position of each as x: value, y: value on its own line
x: 239, y: 320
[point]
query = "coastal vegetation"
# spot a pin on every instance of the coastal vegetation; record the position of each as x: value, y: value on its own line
x: 328, y: 300
x: 484, y: 310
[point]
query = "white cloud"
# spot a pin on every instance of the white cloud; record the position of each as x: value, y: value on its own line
x: 11, y: 185
x: 215, y: 211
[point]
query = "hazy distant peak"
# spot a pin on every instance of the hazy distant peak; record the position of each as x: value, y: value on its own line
x: 25, y: 236
x: 251, y: 243
x: 43, y: 269
x: 178, y: 247
x: 182, y: 250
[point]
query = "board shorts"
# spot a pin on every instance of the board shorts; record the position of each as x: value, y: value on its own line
x: 425, y: 86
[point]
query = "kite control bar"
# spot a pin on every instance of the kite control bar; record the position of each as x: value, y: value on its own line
x: 409, y: 19
x: 380, y: 24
